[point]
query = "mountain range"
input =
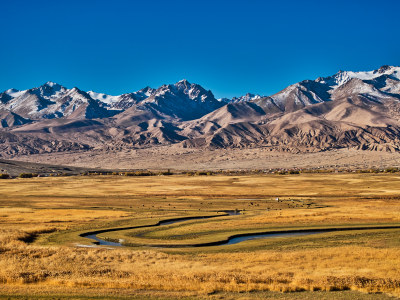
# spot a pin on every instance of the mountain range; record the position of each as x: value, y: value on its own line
x: 346, y: 110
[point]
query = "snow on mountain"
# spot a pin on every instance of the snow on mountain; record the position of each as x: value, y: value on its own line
x: 13, y: 93
x: 347, y: 109
x: 187, y: 101
x: 182, y: 89
x: 122, y: 101
x: 48, y: 101
x: 51, y: 100
x: 49, y: 90
x: 342, y: 77
x: 194, y: 91
x: 246, y: 98
x: 143, y: 93
x: 126, y: 101
x: 182, y: 100
x: 108, y: 99
x: 380, y: 84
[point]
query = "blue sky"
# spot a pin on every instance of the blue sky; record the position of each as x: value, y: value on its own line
x: 231, y: 47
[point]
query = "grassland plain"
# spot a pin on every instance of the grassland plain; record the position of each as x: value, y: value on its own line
x: 42, y: 255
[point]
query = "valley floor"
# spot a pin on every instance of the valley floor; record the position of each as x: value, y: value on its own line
x: 41, y: 253
x: 177, y: 158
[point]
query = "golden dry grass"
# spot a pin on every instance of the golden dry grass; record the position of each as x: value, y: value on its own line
x: 362, y: 261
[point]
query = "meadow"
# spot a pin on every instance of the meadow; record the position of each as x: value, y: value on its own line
x: 43, y: 256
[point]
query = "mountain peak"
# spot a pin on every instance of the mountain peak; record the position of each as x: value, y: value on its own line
x: 383, y: 69
x: 146, y: 91
x: 52, y: 84
x: 11, y: 91
x: 245, y: 98
x: 183, y: 84
x: 183, y: 81
x: 50, y: 88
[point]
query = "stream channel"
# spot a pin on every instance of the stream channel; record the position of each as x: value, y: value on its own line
x: 234, y: 239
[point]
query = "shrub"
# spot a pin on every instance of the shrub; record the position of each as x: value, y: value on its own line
x: 4, y: 176
x: 201, y: 173
x: 294, y: 172
x: 391, y: 170
x: 28, y: 175
x: 139, y: 173
x: 166, y: 173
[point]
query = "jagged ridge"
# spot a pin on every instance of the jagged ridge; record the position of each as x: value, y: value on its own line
x: 349, y: 109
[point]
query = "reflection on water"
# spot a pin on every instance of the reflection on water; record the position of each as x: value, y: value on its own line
x: 100, y: 241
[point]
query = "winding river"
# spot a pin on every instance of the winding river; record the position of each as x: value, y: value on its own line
x: 93, y: 234
x: 234, y: 239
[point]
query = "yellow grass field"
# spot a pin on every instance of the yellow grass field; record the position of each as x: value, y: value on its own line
x: 43, y: 256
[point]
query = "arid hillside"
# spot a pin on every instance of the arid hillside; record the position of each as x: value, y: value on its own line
x: 348, y: 111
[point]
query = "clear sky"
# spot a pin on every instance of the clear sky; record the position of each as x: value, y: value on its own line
x: 229, y: 46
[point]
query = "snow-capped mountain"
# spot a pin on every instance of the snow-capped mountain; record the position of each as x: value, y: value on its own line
x: 180, y: 100
x: 342, y: 77
x: 245, y: 98
x: 51, y: 101
x: 381, y: 83
x: 123, y: 101
x: 187, y: 101
x: 347, y: 109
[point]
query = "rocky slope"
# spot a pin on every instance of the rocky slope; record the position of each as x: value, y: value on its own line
x: 347, y: 110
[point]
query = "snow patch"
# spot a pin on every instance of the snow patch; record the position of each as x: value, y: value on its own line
x: 14, y: 93
x: 108, y: 99
x: 342, y: 77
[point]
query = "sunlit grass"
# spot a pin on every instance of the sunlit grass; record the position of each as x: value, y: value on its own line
x: 52, y: 212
